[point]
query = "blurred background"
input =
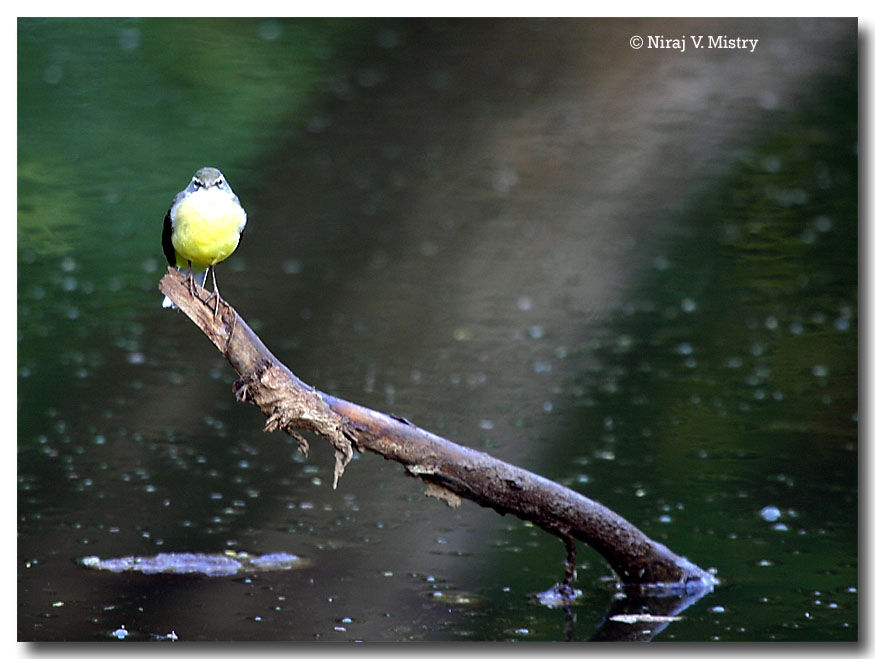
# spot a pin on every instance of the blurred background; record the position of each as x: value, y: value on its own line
x: 630, y: 271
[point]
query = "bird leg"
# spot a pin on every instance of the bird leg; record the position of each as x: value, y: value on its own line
x: 215, y: 293
x: 190, y: 278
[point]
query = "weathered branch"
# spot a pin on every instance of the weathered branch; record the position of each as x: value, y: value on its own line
x: 450, y: 471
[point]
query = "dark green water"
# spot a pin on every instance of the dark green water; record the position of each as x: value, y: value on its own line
x: 727, y: 385
x: 632, y: 274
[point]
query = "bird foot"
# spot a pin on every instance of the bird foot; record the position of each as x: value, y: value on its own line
x: 219, y: 301
x: 191, y: 287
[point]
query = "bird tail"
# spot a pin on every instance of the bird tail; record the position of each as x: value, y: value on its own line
x: 200, y: 279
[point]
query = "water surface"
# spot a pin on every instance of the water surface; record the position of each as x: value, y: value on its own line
x: 630, y: 272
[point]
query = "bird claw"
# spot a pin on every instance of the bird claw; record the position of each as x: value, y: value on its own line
x: 219, y: 301
x: 191, y: 287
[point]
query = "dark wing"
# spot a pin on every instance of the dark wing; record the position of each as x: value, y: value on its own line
x: 166, y: 241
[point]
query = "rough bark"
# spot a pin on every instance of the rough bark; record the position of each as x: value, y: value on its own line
x: 451, y: 472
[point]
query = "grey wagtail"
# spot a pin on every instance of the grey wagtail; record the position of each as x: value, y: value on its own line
x: 202, y: 228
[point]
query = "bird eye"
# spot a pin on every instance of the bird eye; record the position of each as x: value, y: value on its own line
x: 220, y: 182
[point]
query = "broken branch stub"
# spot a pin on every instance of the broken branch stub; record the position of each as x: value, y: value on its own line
x: 451, y: 472
x: 292, y: 407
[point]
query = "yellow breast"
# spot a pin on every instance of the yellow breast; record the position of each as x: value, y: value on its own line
x: 206, y: 228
